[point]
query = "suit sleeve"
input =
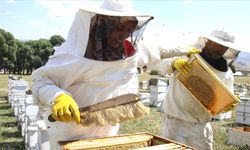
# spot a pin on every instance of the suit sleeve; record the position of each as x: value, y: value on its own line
x: 159, y: 58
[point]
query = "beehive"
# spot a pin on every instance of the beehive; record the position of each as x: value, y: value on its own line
x: 139, y: 141
x: 243, y: 111
x: 239, y: 135
x: 206, y: 87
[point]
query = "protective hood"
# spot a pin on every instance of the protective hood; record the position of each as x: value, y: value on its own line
x: 113, y: 8
x: 91, y: 27
x: 223, y: 38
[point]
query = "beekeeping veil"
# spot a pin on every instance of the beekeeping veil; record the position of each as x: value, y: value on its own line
x: 94, y: 23
x: 223, y: 38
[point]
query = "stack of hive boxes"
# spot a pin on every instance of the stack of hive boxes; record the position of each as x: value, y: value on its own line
x: 158, y: 92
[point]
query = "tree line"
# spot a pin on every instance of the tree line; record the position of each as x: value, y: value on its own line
x: 22, y: 57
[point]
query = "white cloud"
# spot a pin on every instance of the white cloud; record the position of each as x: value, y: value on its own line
x: 57, y: 10
x: 6, y: 13
x: 10, y: 13
x: 55, y: 30
x: 44, y: 30
x: 189, y: 1
x: 11, y: 1
x: 61, y: 12
x: 20, y: 17
x: 36, y: 23
x: 62, y: 8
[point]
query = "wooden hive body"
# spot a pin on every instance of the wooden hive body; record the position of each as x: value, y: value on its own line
x: 138, y: 141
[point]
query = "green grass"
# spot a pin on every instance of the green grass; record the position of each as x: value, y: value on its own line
x: 10, y: 134
x: 10, y: 137
x: 151, y: 123
x: 242, y: 80
x: 221, y: 136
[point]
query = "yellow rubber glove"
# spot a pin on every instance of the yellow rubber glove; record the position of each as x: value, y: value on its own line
x: 65, y: 109
x: 231, y: 107
x: 182, y: 65
x: 193, y: 50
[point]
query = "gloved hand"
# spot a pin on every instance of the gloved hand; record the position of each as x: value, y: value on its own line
x: 229, y: 108
x: 65, y: 109
x: 193, y: 50
x: 182, y: 65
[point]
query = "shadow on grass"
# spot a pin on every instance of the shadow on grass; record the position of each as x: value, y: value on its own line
x: 243, y: 147
x: 5, y: 107
x: 235, y: 124
x: 3, y: 97
x: 8, y: 114
x: 9, y: 124
x: 12, y: 145
x: 16, y: 134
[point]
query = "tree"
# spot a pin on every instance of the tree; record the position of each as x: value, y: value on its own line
x: 41, y: 50
x: 18, y: 56
x: 56, y: 40
x: 36, y: 62
x: 23, y: 61
x: 3, y: 50
x: 8, y: 49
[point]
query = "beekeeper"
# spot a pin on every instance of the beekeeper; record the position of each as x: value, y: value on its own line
x: 186, y: 121
x: 98, y: 60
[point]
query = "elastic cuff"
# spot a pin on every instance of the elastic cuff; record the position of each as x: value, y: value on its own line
x: 172, y: 64
x: 51, y: 101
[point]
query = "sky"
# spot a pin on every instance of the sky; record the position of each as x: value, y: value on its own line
x: 35, y: 19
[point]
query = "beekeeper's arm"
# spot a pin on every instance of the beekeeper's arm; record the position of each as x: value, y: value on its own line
x: 177, y: 51
x: 48, y: 92
x: 229, y: 83
x: 152, y: 57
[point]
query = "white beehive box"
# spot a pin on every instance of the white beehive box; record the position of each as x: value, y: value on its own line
x: 157, y: 99
x: 243, y: 118
x: 243, y: 111
x: 239, y: 136
x: 161, y: 86
x: 158, y: 92
x: 157, y: 96
x: 244, y: 105
x: 222, y: 116
x: 145, y: 98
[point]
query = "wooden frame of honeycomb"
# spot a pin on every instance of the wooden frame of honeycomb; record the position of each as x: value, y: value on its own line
x: 137, y: 141
x: 206, y: 87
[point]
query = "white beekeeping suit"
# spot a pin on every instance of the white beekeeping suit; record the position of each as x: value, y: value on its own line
x: 186, y: 121
x: 90, y: 81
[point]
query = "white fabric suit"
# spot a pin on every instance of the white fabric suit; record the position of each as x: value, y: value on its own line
x: 185, y: 118
x: 87, y: 81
